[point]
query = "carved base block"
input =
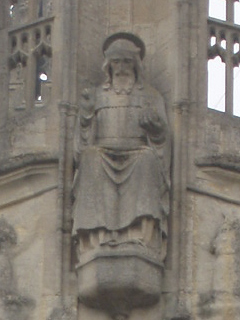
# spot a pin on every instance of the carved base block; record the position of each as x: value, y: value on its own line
x: 119, y: 281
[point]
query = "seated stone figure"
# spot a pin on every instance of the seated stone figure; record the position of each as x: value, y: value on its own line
x: 121, y: 178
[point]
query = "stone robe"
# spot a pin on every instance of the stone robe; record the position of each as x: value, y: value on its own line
x: 120, y: 176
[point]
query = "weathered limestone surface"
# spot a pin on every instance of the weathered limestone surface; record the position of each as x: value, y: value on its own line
x: 201, y: 277
x: 28, y: 203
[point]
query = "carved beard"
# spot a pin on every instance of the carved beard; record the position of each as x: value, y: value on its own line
x: 123, y: 82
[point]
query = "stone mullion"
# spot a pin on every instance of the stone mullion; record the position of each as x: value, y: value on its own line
x: 228, y: 27
x: 229, y: 63
x: 179, y: 219
x: 230, y: 11
x: 218, y: 36
x: 210, y: 35
x: 31, y: 6
x: 69, y: 110
x: 31, y: 73
x: 229, y: 73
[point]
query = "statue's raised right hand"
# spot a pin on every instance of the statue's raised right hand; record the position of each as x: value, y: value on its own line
x: 87, y: 101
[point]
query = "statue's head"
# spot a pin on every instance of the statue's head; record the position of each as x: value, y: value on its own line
x: 123, y: 58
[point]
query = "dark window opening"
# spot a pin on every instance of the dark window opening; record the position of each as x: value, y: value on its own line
x: 40, y: 9
x: 41, y: 75
x: 14, y: 43
x: 37, y: 36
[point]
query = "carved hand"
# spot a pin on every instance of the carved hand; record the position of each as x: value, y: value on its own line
x: 152, y: 123
x: 87, y: 106
x: 87, y: 100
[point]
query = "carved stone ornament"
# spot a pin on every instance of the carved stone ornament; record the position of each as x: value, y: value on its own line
x: 17, y: 87
x: 13, y: 306
x: 224, y: 297
x: 120, y: 185
x: 18, y: 57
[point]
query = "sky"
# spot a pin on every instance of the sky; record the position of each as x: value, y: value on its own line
x: 216, y: 69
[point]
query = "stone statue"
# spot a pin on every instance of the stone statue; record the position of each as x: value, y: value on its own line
x: 121, y: 181
x: 8, y: 239
x: 120, y: 132
x: 226, y: 275
x: 12, y: 304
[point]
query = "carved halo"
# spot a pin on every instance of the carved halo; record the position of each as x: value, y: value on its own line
x: 126, y: 36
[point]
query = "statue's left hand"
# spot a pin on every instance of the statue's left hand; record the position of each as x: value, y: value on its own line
x: 152, y: 123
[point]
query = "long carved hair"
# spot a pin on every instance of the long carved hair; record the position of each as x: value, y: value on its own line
x: 138, y: 70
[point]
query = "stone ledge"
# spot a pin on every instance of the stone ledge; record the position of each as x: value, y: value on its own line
x: 26, y: 179
x: 118, y: 284
x: 223, y: 161
x: 218, y: 179
x: 13, y: 163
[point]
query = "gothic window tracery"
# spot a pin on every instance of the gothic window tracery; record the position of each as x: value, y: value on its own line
x: 17, y: 71
x: 43, y: 55
x: 43, y: 73
x: 216, y: 68
x: 17, y: 93
x: 224, y: 56
x: 24, y: 42
x: 30, y: 65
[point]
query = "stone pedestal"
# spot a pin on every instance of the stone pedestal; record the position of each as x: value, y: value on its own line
x: 118, y: 281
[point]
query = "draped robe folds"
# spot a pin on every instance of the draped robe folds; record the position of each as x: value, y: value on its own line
x: 121, y: 175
